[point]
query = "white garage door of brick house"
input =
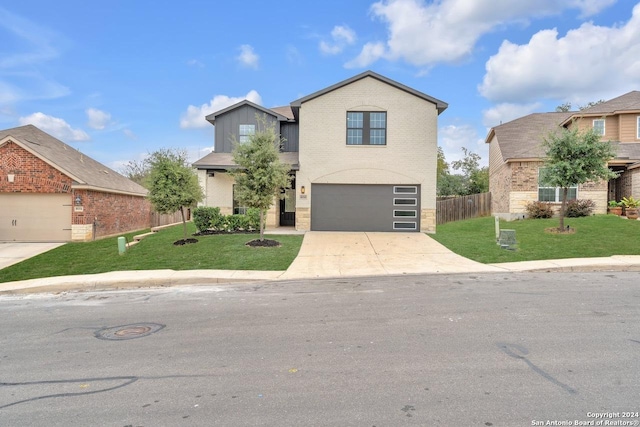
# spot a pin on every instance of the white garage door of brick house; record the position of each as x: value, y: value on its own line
x: 35, y: 217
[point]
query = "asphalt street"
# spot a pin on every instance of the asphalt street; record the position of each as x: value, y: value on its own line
x: 491, y: 349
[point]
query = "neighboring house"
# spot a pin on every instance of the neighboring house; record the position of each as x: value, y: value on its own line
x: 50, y: 191
x: 362, y: 153
x: 516, y: 157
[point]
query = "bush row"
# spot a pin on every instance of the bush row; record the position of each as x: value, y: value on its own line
x: 574, y: 209
x: 208, y: 218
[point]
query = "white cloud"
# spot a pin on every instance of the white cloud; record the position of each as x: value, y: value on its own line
x: 453, y: 137
x: 98, y: 119
x: 588, y: 63
x: 506, y: 112
x: 341, y: 36
x: 129, y: 134
x: 195, y: 63
x: 248, y: 57
x: 446, y: 31
x: 369, y: 54
x: 194, y: 117
x: 54, y: 126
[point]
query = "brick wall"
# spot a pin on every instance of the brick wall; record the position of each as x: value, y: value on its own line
x: 112, y: 213
x: 30, y: 174
x: 115, y: 213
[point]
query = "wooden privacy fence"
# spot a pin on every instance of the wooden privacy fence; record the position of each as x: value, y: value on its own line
x: 463, y: 207
x: 158, y: 219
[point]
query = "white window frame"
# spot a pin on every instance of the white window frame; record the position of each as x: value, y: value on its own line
x: 245, y: 130
x: 395, y: 201
x: 558, y: 191
x: 412, y: 211
x: 398, y: 189
x: 604, y: 123
x: 414, y: 225
x: 638, y: 127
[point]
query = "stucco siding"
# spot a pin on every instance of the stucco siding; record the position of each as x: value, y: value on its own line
x: 409, y: 157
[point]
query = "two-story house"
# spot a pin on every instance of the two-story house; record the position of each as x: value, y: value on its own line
x: 362, y: 152
x: 516, y: 157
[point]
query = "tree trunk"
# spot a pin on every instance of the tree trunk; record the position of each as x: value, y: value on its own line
x: 184, y: 222
x: 563, y: 207
x: 261, y: 225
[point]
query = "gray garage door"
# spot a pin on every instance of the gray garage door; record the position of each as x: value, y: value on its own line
x: 355, y: 207
x: 32, y: 217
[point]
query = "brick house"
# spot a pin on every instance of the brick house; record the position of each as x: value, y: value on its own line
x: 362, y: 154
x: 516, y: 156
x: 50, y: 191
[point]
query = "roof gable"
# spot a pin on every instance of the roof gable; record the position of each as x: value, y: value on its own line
x: 440, y: 105
x: 211, y: 118
x: 628, y: 102
x: 82, y: 169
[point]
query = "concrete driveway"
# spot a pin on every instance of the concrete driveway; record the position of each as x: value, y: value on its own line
x: 337, y: 254
x: 12, y: 252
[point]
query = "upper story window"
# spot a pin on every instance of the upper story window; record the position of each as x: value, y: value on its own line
x: 553, y: 194
x: 638, y: 127
x: 366, y: 128
x: 245, y: 132
x: 598, y: 126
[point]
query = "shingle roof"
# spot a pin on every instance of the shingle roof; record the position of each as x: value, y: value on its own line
x: 82, y: 169
x: 521, y: 138
x: 627, y: 102
x: 284, y: 111
x: 440, y: 105
x: 224, y: 161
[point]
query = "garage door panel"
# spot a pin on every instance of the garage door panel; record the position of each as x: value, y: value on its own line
x: 33, y: 217
x: 356, y: 207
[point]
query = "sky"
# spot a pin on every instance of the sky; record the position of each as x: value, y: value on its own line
x: 120, y: 79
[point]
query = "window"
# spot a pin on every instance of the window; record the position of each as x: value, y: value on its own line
x: 245, y: 132
x: 366, y: 128
x: 598, y: 126
x: 552, y: 194
x: 237, y: 208
x: 400, y: 225
x: 405, y: 202
x: 405, y: 214
x: 405, y: 190
x: 638, y: 127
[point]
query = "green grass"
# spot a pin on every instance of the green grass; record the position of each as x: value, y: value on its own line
x: 595, y: 236
x: 226, y: 252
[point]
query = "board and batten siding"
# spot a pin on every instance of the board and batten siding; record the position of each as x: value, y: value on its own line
x: 227, y: 126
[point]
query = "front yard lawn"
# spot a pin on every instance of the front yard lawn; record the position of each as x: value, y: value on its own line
x: 595, y: 236
x: 224, y: 252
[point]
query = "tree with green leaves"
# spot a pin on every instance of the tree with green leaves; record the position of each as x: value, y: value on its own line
x: 573, y: 157
x: 260, y: 175
x: 475, y: 179
x: 136, y: 171
x: 172, y: 183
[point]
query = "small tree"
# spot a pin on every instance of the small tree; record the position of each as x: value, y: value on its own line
x: 574, y: 157
x: 172, y: 183
x: 476, y: 179
x: 260, y: 175
x: 136, y: 171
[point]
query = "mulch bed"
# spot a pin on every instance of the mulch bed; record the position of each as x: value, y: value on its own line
x: 183, y: 242
x: 266, y: 243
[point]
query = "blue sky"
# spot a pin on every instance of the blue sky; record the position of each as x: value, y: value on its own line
x: 120, y: 79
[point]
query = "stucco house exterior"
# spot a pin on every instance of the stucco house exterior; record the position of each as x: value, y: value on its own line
x: 52, y: 192
x: 516, y: 156
x: 362, y: 153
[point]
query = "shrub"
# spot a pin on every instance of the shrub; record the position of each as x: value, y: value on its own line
x: 203, y: 216
x: 578, y: 208
x: 235, y: 222
x: 539, y: 210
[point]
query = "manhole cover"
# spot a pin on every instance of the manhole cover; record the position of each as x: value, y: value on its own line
x: 128, y: 332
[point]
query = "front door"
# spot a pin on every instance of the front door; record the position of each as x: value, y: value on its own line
x: 288, y: 206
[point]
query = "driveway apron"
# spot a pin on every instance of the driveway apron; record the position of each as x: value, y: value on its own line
x: 342, y: 254
x: 12, y: 253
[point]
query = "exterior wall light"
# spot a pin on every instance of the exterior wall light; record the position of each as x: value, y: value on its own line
x: 78, y: 200
x: 302, y: 190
